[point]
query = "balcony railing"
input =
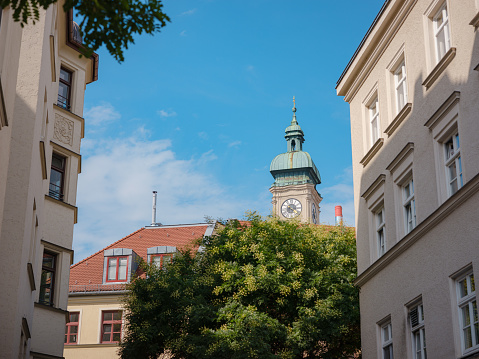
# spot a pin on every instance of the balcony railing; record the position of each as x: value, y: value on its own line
x: 96, y: 288
x: 55, y: 192
x: 64, y: 103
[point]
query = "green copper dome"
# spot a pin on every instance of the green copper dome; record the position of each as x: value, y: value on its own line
x: 294, y: 166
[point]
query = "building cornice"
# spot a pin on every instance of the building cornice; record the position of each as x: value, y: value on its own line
x: 439, y: 68
x: 401, y: 116
x: 460, y: 197
x: 443, y: 110
x: 400, y: 157
x: 374, y: 186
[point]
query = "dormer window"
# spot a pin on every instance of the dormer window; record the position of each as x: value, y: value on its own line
x: 161, y: 255
x: 117, y: 269
x: 120, y: 264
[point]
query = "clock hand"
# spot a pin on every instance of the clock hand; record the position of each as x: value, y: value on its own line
x: 295, y: 211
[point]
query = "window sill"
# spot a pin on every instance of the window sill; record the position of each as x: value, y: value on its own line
x: 473, y: 354
x: 75, y: 209
x: 372, y: 152
x: 99, y: 345
x: 401, y: 116
x: 439, y: 68
x: 475, y: 21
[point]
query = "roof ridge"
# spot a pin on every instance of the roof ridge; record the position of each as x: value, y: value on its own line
x: 94, y: 254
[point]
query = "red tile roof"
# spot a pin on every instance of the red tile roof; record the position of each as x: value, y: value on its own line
x: 89, y: 271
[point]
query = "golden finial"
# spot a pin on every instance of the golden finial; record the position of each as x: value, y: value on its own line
x: 294, y: 105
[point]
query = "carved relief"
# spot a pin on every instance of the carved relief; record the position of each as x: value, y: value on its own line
x: 63, y: 130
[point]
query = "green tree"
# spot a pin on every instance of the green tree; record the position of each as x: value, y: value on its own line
x: 272, y: 289
x: 103, y: 22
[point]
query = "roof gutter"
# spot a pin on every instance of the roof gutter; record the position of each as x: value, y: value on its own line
x: 376, y: 19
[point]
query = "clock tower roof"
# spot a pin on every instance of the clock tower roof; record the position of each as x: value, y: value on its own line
x: 294, y: 166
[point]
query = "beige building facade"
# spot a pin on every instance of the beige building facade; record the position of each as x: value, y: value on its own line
x: 413, y: 87
x: 42, y: 85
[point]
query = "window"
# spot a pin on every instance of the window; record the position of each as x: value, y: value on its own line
x: 409, y: 205
x: 71, y: 329
x: 400, y: 86
x: 387, y: 341
x: 111, y: 326
x: 57, y: 177
x: 441, y: 32
x: 416, y: 317
x: 117, y: 269
x: 453, y: 163
x: 468, y: 317
x: 381, y: 232
x: 373, y: 110
x: 65, y: 89
x: 161, y: 259
x: 47, y: 284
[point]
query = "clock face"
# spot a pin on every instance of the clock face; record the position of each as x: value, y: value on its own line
x: 314, y: 216
x: 291, y: 208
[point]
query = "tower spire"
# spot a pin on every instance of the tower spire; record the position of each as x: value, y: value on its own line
x: 294, y: 121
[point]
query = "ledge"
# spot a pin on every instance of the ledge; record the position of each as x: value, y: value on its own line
x: 401, y: 116
x: 31, y: 276
x: 400, y: 157
x: 99, y: 345
x: 75, y: 209
x: 37, y: 355
x: 54, y: 309
x: 372, y: 152
x: 423, y: 228
x: 443, y: 110
x: 475, y: 21
x: 372, y: 188
x: 439, y: 68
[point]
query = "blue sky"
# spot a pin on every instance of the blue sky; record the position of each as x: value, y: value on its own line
x: 198, y: 111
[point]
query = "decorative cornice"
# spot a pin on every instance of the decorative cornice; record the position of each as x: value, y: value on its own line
x: 400, y: 157
x: 372, y: 151
x: 374, y: 186
x: 443, y: 110
x: 439, y: 68
x: 461, y: 196
x: 401, y: 116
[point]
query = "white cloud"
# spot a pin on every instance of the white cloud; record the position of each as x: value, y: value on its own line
x: 166, y: 113
x: 183, y: 33
x: 234, y: 144
x: 203, y: 135
x: 250, y: 68
x: 188, y: 12
x: 101, y: 114
x: 118, y: 176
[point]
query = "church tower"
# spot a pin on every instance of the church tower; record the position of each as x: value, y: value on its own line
x: 295, y: 179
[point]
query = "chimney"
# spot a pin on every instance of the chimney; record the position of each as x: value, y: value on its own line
x: 153, y: 214
x: 338, y: 215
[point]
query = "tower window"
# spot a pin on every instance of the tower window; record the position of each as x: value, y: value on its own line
x: 293, y: 145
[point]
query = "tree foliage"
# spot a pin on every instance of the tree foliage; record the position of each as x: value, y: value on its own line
x: 272, y: 289
x: 112, y: 23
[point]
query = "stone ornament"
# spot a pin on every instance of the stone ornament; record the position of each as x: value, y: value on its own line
x: 63, y: 130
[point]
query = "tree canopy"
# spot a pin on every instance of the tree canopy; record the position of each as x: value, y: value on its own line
x: 268, y: 289
x: 103, y: 22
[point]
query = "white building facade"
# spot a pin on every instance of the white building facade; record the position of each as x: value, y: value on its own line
x: 413, y: 87
x: 42, y: 85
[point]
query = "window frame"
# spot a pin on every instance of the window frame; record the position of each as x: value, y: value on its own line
x: 463, y: 301
x: 380, y: 231
x: 400, y: 83
x: 69, y: 325
x: 65, y: 102
x: 418, y: 331
x: 51, y: 285
x: 386, y: 343
x: 409, y: 201
x: 60, y: 193
x: 374, y: 116
x: 117, y: 258
x: 443, y: 9
x: 161, y: 256
x: 111, y: 322
x: 453, y: 159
